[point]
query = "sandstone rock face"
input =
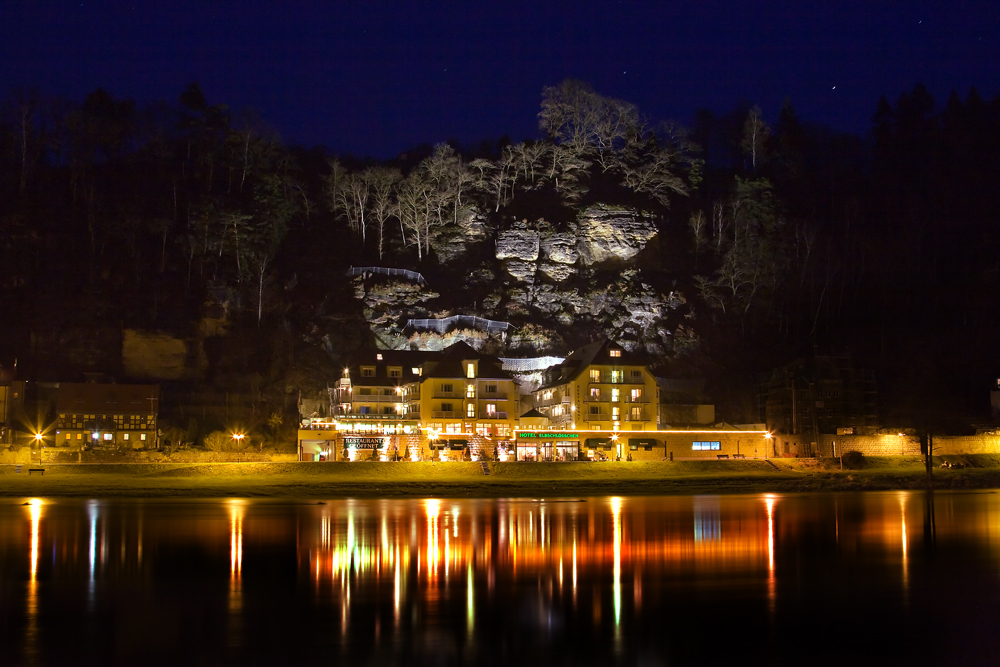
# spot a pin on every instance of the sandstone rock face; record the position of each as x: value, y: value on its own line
x: 453, y: 240
x: 519, y: 243
x: 600, y: 235
x: 612, y: 235
x: 559, y: 247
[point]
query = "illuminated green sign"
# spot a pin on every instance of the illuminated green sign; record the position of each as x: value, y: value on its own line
x: 558, y: 436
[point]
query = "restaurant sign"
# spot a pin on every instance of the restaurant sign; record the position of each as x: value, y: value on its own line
x: 547, y: 435
x: 364, y: 442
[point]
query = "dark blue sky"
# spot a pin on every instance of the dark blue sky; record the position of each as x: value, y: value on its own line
x: 378, y: 77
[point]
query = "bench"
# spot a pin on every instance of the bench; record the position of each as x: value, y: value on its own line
x: 723, y: 456
x: 41, y: 470
x: 739, y: 456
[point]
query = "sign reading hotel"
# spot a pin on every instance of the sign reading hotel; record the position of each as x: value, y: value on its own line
x: 363, y: 442
x: 556, y: 436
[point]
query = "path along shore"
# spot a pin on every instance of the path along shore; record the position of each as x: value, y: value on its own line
x: 425, y: 479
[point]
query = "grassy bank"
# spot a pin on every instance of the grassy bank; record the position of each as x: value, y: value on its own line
x: 389, y: 480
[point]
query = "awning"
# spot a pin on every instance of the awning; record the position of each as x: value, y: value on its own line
x: 641, y: 442
x: 458, y: 443
x: 594, y: 443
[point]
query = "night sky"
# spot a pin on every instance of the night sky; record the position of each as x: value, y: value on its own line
x: 376, y: 78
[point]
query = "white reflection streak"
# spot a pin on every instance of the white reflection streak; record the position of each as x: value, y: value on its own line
x: 92, y: 513
x: 906, y: 562
x: 771, y: 592
x: 616, y: 512
x: 470, y: 602
x: 235, y: 572
x: 397, y: 588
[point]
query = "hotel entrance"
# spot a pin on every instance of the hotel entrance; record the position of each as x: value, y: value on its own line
x: 543, y: 446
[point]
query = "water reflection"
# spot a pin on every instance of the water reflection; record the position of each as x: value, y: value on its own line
x: 479, y: 580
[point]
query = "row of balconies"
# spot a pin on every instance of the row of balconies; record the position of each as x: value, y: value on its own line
x: 457, y: 414
x: 483, y: 396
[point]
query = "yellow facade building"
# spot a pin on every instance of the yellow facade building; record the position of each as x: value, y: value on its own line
x: 600, y: 387
x: 464, y: 392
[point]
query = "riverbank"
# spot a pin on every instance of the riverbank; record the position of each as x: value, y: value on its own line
x: 407, y: 479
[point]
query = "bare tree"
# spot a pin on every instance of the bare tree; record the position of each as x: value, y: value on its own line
x: 383, y: 183
x: 755, y: 134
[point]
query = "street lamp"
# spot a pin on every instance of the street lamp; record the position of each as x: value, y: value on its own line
x: 38, y: 443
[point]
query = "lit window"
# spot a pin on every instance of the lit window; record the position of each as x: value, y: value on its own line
x: 470, y: 391
x: 595, y: 375
x: 471, y: 371
x: 491, y: 409
x: 415, y: 370
x: 614, y: 412
x: 636, y: 394
x: 378, y: 357
x: 616, y: 376
x: 706, y: 445
x: 595, y: 393
x: 79, y: 436
x: 142, y: 436
x: 614, y: 395
x: 636, y: 414
x: 125, y: 436
x: 107, y: 436
x: 470, y: 410
x: 615, y: 353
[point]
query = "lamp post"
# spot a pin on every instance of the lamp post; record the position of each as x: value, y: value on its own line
x: 238, y: 437
x: 38, y: 443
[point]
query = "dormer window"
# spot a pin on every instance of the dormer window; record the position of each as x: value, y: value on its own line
x: 395, y: 372
x: 367, y: 371
x: 415, y: 370
x: 614, y: 353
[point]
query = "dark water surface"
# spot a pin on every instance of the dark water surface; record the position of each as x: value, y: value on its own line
x: 875, y: 578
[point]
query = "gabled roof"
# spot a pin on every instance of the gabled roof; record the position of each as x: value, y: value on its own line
x: 596, y: 353
x: 407, y: 360
x: 533, y: 414
x: 87, y: 397
x: 449, y: 365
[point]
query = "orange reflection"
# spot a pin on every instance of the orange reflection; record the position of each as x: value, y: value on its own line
x: 31, y: 632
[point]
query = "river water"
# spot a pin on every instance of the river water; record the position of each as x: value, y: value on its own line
x: 873, y: 578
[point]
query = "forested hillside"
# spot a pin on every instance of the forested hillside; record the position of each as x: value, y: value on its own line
x: 722, y: 248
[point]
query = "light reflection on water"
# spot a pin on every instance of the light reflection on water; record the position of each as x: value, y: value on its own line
x: 600, y: 579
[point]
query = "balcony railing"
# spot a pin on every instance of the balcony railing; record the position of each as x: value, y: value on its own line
x: 449, y: 394
x: 493, y: 415
x: 493, y: 396
x: 374, y: 398
x: 601, y: 417
x: 448, y: 414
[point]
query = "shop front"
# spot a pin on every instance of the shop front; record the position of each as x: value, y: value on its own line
x: 358, y: 447
x: 547, y: 446
x: 600, y: 449
x: 448, y: 449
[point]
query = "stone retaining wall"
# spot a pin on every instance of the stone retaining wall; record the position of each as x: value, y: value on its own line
x: 53, y: 455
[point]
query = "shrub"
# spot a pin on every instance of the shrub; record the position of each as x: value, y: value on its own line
x: 854, y: 460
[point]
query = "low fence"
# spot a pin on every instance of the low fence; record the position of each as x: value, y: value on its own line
x: 528, y: 365
x: 469, y: 321
x: 382, y: 271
